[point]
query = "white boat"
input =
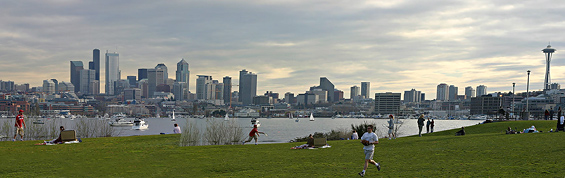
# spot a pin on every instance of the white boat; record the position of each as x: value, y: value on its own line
x: 226, y: 118
x: 173, y: 116
x: 139, y: 124
x: 311, y: 117
x: 38, y: 121
x: 255, y: 122
x: 120, y: 122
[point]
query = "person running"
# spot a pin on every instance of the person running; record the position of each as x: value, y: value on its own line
x: 391, y: 134
x: 254, y: 134
x: 369, y: 149
x: 420, y: 124
x: 20, y: 125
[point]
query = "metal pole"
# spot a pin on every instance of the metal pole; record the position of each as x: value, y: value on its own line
x: 527, y: 97
x: 513, y: 98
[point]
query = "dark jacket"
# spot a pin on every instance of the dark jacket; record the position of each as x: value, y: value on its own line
x: 421, y: 121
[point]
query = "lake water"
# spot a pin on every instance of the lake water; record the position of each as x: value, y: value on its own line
x: 278, y: 129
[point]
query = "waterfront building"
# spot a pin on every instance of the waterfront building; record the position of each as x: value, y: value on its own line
x: 247, y: 87
x: 453, y: 92
x: 387, y: 103
x: 366, y: 89
x: 442, y: 93
x: 328, y: 86
x: 469, y: 92
x: 112, y: 71
x: 76, y: 67
x: 486, y: 104
x: 481, y: 90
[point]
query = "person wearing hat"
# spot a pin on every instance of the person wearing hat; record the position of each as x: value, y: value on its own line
x: 20, y: 125
x: 254, y: 134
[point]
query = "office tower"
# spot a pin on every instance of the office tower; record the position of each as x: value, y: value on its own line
x: 132, y: 81
x: 453, y: 91
x: 87, y: 76
x: 442, y: 93
x: 179, y: 90
x: 247, y: 87
x: 48, y: 87
x: 132, y: 94
x: 423, y: 97
x: 227, y: 89
x: 141, y: 74
x: 387, y: 103
x: 201, y: 86
x: 112, y: 71
x: 91, y: 65
x: 217, y: 90
x: 182, y: 73
x: 94, y: 87
x: 96, y: 61
x: 120, y: 86
x: 165, y: 71
x: 481, y: 90
x: 289, y: 98
x: 555, y: 86
x: 328, y: 86
x: 76, y: 67
x: 412, y: 96
x: 306, y: 99
x: 338, y: 95
x: 322, y: 94
x: 366, y: 89
x: 144, y: 86
x: 548, y: 53
x: 354, y: 92
x: 469, y: 92
x: 56, y: 85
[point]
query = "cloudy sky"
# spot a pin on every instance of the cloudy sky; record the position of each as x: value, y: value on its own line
x: 396, y: 45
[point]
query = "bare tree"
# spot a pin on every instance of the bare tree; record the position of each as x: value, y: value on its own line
x: 190, y: 135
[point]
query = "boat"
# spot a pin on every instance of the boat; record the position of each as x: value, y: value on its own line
x: 120, y: 122
x: 226, y: 118
x: 38, y: 121
x: 311, y: 117
x: 254, y: 122
x: 139, y: 124
x: 173, y: 116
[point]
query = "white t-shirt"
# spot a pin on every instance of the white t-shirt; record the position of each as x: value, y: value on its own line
x: 355, y: 136
x: 176, y: 130
x: 561, y: 120
x: 371, y: 137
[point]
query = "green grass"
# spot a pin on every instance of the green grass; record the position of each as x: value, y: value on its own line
x: 484, y: 152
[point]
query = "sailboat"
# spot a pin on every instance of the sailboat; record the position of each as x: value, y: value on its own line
x: 311, y: 117
x: 226, y: 118
x: 173, y: 116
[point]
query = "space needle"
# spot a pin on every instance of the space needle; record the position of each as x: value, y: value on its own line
x: 548, y: 53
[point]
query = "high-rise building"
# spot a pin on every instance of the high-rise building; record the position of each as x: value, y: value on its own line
x: 387, y: 103
x: 165, y: 71
x: 555, y: 86
x: 132, y: 94
x: 354, y: 92
x: 322, y: 94
x: 202, y: 90
x: 48, y: 87
x: 56, y: 85
x: 76, y: 67
x: 338, y: 95
x: 227, y: 89
x: 144, y: 86
x: 289, y: 98
x: 182, y: 73
x: 328, y: 86
x: 412, y: 96
x: 247, y: 87
x: 481, y: 90
x: 96, y: 61
x: 141, y: 74
x: 366, y: 89
x: 179, y: 91
x: 112, y: 71
x: 132, y: 81
x: 87, y: 76
x: 469, y: 92
x: 442, y: 93
x: 453, y: 91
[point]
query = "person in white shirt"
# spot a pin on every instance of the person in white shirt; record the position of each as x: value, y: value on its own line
x: 354, y: 136
x: 176, y: 130
x: 369, y: 149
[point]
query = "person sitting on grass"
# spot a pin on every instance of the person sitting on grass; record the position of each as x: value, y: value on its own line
x: 309, y: 143
x: 460, y: 132
x: 58, y: 139
x: 510, y: 131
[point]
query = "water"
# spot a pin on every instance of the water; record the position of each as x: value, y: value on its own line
x: 278, y: 129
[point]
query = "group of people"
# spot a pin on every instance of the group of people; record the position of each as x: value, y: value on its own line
x: 429, y: 125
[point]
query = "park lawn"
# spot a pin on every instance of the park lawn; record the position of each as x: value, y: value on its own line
x: 484, y: 152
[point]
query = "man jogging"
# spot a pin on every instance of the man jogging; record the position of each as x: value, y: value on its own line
x: 254, y: 134
x: 368, y: 139
x: 20, y: 125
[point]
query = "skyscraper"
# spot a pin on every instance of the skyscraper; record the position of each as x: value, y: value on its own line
x: 387, y: 103
x: 227, y: 89
x: 366, y: 89
x: 354, y: 92
x: 182, y: 73
x: 453, y: 91
x: 87, y: 77
x: 165, y: 72
x: 112, y: 71
x: 442, y: 93
x: 328, y: 86
x: 469, y: 92
x: 412, y: 96
x: 154, y: 78
x: 202, y: 82
x: 548, y: 53
x: 481, y: 90
x: 141, y: 74
x: 96, y: 61
x: 76, y: 67
x: 132, y: 81
x: 247, y: 87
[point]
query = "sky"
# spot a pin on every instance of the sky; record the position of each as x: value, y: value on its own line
x: 396, y: 45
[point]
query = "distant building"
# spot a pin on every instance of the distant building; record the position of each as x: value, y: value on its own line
x: 481, y: 90
x: 76, y: 67
x: 87, y: 77
x: 132, y: 94
x: 201, y: 87
x: 328, y: 86
x: 354, y: 92
x: 555, y: 86
x: 485, y: 104
x: 132, y: 81
x: 412, y: 96
x: 322, y: 95
x: 262, y: 100
x: 141, y: 74
x: 442, y: 92
x: 182, y: 73
x: 48, y: 87
x: 307, y: 99
x: 387, y: 103
x: 453, y: 92
x: 338, y: 95
x: 112, y: 71
x: 366, y: 89
x: 289, y: 98
x: 247, y: 87
x: 165, y: 71
x: 96, y: 67
x: 469, y: 92
x: 179, y: 91
x: 227, y: 89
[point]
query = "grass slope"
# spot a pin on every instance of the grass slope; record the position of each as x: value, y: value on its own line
x: 484, y: 152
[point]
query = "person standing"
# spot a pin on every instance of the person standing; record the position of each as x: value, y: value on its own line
x: 20, y: 125
x: 546, y: 114
x: 428, y: 126
x: 369, y: 149
x: 551, y: 112
x: 176, y: 129
x: 354, y: 136
x: 254, y: 134
x: 420, y: 124
x: 432, y: 126
x: 391, y: 134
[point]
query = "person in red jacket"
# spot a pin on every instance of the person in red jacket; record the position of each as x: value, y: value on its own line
x: 20, y: 125
x: 254, y: 134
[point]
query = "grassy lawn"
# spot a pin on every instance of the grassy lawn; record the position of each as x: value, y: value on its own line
x: 484, y: 152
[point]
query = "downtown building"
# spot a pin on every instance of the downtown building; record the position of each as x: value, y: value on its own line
x: 442, y: 92
x: 387, y: 103
x: 112, y: 71
x: 481, y: 90
x: 247, y: 87
x: 366, y: 89
x: 412, y: 96
x: 469, y: 92
x: 76, y: 67
x: 355, y: 93
x: 328, y: 86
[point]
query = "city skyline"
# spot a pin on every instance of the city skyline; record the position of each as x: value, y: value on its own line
x: 290, y: 45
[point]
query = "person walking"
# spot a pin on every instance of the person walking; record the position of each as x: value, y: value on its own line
x: 432, y: 126
x: 428, y: 126
x: 254, y: 134
x: 369, y: 139
x: 420, y: 124
x: 20, y: 125
x: 391, y: 134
